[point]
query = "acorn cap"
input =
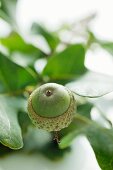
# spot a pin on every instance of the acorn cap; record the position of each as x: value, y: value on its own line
x: 51, y: 107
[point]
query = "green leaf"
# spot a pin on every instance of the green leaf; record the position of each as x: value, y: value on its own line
x: 92, y: 85
x: 50, y: 37
x: 14, y: 77
x: 8, y: 10
x: 14, y: 42
x: 85, y: 109
x: 24, y: 52
x: 67, y: 64
x: 24, y: 121
x: 108, y: 46
x: 101, y: 139
x: 10, y: 132
x: 77, y: 127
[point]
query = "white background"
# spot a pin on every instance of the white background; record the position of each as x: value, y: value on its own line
x: 55, y: 12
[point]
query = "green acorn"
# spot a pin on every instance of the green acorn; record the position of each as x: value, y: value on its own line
x: 51, y: 107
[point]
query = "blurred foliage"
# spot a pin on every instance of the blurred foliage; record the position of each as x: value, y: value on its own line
x: 51, y: 38
x: 65, y: 65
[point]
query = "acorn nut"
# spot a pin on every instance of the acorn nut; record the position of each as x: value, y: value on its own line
x: 51, y: 107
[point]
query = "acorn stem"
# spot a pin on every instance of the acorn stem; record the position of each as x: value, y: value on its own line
x: 56, y: 137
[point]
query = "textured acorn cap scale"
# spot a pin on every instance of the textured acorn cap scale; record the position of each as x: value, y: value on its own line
x: 51, y: 107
